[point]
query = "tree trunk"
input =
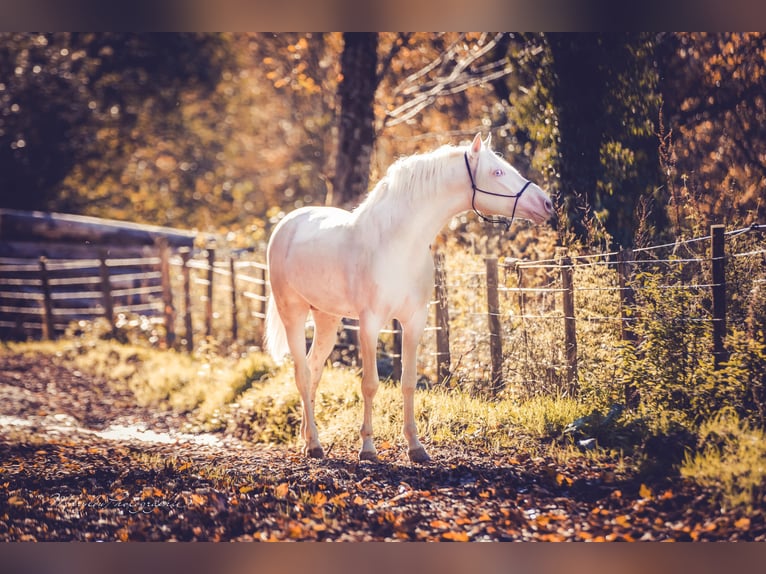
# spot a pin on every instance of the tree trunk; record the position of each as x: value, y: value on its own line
x: 356, y: 133
x: 579, y: 96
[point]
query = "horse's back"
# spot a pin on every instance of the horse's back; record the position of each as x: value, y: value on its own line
x: 308, y: 258
x: 305, y: 228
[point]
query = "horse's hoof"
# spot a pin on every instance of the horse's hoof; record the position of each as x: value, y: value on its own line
x: 315, y: 452
x: 419, y: 455
x: 370, y: 455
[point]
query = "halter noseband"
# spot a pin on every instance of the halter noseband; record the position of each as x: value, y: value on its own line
x: 515, y: 197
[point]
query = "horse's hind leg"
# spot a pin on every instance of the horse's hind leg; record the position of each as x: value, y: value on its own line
x: 369, y: 328
x: 325, y: 335
x: 295, y: 324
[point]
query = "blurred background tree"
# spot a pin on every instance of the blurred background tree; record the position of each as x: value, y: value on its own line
x: 657, y: 133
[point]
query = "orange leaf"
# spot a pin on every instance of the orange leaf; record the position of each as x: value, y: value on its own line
x: 645, y: 491
x: 282, y: 490
x: 318, y: 499
x: 151, y: 491
x: 295, y: 530
x: 455, y: 536
x: 246, y: 489
x: 438, y: 524
x: 742, y: 524
x: 623, y: 520
x: 198, y: 499
x: 563, y: 480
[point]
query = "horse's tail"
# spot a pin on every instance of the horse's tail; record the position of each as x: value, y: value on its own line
x: 276, y: 336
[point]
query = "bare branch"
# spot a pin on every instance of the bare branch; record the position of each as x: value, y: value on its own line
x: 456, y: 70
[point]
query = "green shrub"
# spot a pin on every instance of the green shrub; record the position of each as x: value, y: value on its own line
x: 731, y: 458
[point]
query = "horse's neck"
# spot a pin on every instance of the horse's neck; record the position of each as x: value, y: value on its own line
x: 415, y: 219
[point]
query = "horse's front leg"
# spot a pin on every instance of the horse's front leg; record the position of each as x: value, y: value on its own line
x: 369, y: 328
x: 412, y: 330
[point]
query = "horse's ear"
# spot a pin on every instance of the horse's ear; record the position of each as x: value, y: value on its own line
x: 488, y: 141
x: 476, y: 144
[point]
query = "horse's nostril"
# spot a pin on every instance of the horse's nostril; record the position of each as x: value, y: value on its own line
x: 548, y: 206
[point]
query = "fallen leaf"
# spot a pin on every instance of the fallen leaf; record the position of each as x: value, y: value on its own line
x: 563, y: 480
x: 245, y: 489
x: 455, y: 536
x: 440, y: 524
x: 318, y: 499
x: 281, y: 490
x: 742, y: 524
x: 645, y: 491
x: 198, y: 499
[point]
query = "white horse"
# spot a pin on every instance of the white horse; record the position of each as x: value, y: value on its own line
x: 375, y: 264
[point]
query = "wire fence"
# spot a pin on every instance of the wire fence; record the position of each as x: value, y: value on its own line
x: 499, y: 322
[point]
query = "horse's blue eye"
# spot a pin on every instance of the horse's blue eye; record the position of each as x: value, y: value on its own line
x: 498, y: 172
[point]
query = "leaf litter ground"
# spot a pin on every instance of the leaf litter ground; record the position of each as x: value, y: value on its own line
x: 81, y: 461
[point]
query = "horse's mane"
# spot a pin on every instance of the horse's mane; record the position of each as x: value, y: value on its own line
x: 411, y: 177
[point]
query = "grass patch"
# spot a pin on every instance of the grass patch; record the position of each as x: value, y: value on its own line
x: 252, y: 398
x: 731, y: 458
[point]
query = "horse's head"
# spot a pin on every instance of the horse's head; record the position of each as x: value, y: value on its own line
x: 499, y: 188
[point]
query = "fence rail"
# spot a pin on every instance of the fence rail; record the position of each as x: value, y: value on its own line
x: 182, y: 296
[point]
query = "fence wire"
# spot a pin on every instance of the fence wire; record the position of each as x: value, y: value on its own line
x: 227, y: 301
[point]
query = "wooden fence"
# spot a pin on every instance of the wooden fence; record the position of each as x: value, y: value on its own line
x: 183, y: 298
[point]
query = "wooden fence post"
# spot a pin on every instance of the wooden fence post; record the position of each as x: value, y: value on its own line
x: 397, y: 328
x: 570, y: 331
x: 627, y: 311
x: 209, y: 301
x: 443, y: 359
x: 718, y: 257
x: 48, y: 327
x: 264, y: 295
x: 185, y: 256
x: 495, y: 331
x: 233, y: 299
x: 168, y: 311
x: 106, y: 292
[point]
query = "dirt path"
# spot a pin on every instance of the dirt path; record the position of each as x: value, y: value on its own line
x: 80, y: 461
